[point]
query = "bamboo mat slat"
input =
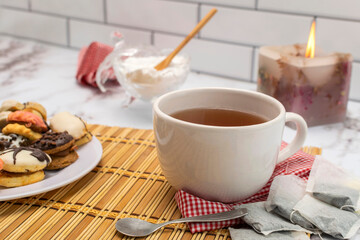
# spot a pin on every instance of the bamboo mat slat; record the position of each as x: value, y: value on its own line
x: 126, y: 183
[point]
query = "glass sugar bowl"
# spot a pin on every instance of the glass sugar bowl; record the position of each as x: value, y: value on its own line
x: 134, y: 69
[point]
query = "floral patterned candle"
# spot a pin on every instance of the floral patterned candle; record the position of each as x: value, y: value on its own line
x: 317, y: 88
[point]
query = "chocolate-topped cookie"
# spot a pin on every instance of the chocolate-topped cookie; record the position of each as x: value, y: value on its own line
x: 61, y: 146
x: 54, y: 142
x: 24, y: 159
x: 12, y: 141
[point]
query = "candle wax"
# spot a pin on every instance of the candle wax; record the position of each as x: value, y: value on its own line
x: 316, y: 88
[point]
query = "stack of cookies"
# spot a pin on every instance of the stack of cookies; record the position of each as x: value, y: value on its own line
x: 22, y: 166
x: 21, y: 123
x: 60, y: 146
x: 28, y: 145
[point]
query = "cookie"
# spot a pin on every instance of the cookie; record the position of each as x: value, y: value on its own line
x: 3, y: 118
x: 84, y: 139
x: 11, y: 105
x: 12, y: 141
x: 54, y: 142
x: 20, y: 179
x: 74, y: 125
x: 34, y: 112
x: 35, y: 107
x: 24, y: 159
x: 21, y: 130
x: 61, y: 162
x: 30, y: 120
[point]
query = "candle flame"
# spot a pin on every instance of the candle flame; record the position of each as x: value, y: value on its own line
x: 310, y: 49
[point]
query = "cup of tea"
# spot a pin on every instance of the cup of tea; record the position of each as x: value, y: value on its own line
x: 222, y: 144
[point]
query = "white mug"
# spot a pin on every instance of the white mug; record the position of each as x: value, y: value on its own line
x: 225, y: 164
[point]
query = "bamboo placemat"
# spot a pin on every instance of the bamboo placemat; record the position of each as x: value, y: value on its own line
x: 127, y: 183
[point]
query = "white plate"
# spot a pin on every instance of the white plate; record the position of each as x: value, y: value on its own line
x: 89, y: 156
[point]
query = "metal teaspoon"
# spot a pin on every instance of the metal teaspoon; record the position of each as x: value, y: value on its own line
x: 139, y: 228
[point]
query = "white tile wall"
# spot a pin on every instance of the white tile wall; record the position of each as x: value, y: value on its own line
x: 225, y: 46
x: 87, y: 9
x: 83, y: 33
x: 231, y: 3
x: 340, y: 36
x: 175, y: 17
x: 15, y: 3
x: 31, y: 25
x: 255, y: 28
x: 348, y: 9
x: 212, y: 57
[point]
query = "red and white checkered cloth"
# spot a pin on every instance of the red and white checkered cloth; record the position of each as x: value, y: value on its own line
x: 89, y: 60
x: 299, y: 164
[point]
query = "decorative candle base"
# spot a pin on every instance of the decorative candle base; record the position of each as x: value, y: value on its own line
x: 316, y: 88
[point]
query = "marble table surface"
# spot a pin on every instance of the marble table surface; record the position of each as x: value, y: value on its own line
x: 31, y: 71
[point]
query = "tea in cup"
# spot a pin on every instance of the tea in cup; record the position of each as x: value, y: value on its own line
x: 222, y: 144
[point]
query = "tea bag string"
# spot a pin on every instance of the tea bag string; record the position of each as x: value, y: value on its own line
x: 348, y: 206
x: 291, y: 215
x: 319, y: 233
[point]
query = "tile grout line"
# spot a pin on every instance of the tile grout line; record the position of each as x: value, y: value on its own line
x: 218, y: 5
x: 256, y: 8
x: 222, y: 76
x: 256, y: 4
x: 198, y: 19
x: 105, y: 11
x: 68, y: 32
x: 29, y: 6
x: 307, y: 15
x: 152, y: 38
x: 252, y: 65
x: 206, y: 4
x: 55, y: 15
x: 34, y: 40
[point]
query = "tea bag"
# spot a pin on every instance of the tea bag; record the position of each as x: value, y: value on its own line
x: 334, y: 185
x: 249, y: 234
x: 264, y: 222
x: 329, y: 219
x: 285, y: 192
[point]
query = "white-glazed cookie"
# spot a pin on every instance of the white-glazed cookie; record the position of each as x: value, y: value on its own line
x: 20, y: 179
x: 24, y: 159
x: 65, y: 121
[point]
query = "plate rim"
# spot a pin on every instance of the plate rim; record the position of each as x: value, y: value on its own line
x: 67, y: 181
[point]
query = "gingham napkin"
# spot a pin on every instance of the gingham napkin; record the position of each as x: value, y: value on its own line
x: 299, y: 164
x: 89, y: 60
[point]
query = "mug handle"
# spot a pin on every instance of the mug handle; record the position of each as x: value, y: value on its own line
x: 298, y: 141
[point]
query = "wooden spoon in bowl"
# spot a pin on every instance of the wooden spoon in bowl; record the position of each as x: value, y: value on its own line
x: 165, y: 63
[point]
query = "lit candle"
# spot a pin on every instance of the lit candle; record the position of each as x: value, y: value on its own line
x: 307, y: 80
